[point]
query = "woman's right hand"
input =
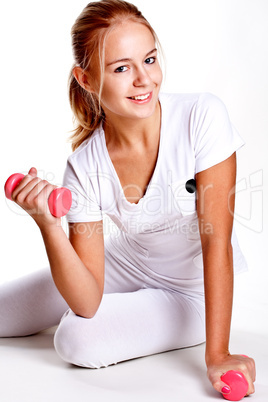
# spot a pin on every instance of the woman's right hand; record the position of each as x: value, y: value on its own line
x: 32, y: 195
x: 222, y: 364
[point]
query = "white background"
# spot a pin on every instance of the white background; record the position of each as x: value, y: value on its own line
x: 217, y: 46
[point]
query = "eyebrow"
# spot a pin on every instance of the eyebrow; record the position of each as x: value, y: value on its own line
x: 127, y: 59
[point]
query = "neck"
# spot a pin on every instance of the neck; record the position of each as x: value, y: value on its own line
x: 129, y: 132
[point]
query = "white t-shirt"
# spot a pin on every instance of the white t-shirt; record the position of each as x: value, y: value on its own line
x: 162, y: 228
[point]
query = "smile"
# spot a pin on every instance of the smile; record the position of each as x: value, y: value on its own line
x: 141, y: 98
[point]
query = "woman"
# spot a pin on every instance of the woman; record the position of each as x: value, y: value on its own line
x: 162, y: 167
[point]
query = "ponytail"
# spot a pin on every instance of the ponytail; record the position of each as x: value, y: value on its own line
x: 87, y: 112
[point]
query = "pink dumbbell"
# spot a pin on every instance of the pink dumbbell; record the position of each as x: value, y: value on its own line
x: 238, y: 384
x: 59, y: 202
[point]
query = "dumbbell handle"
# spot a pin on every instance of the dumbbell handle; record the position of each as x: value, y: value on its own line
x: 59, y: 201
x: 237, y: 383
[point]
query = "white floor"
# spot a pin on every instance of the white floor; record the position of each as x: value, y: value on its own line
x: 30, y: 370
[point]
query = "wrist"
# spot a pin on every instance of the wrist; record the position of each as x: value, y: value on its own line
x: 216, y: 357
x: 47, y: 228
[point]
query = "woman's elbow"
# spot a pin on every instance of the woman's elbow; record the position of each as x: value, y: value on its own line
x: 87, y: 309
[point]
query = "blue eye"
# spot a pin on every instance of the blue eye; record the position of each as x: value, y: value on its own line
x: 150, y: 60
x: 121, y: 69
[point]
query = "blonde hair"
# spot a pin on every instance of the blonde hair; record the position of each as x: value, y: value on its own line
x: 88, y: 41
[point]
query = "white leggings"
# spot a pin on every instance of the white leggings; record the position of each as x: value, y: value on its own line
x: 137, y: 317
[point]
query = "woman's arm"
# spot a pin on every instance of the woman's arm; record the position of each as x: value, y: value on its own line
x: 77, y: 265
x: 215, y: 207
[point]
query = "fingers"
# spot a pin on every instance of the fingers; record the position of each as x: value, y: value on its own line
x: 24, y: 188
x: 221, y: 387
x: 252, y: 368
x: 242, y: 364
x: 217, y: 383
x: 33, y: 172
x: 27, y: 196
x: 247, y: 368
x: 226, y: 389
x: 32, y: 193
x: 21, y: 184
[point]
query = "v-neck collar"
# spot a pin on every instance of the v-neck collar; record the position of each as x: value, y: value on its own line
x: 114, y: 172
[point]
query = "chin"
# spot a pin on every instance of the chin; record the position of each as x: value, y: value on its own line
x: 145, y: 111
x: 142, y: 114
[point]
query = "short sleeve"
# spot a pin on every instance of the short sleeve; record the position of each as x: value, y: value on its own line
x: 85, y: 207
x: 214, y: 138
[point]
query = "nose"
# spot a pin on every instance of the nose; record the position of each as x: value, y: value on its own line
x: 142, y: 78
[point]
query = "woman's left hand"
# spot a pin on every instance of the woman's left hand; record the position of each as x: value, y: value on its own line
x: 219, y: 365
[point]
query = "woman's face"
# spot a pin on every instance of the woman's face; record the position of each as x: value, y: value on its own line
x: 132, y: 74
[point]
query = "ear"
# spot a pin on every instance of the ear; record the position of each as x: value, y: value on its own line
x: 81, y: 77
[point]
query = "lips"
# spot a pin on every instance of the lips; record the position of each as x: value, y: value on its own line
x: 140, y: 97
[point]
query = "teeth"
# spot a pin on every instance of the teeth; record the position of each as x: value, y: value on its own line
x: 141, y: 97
